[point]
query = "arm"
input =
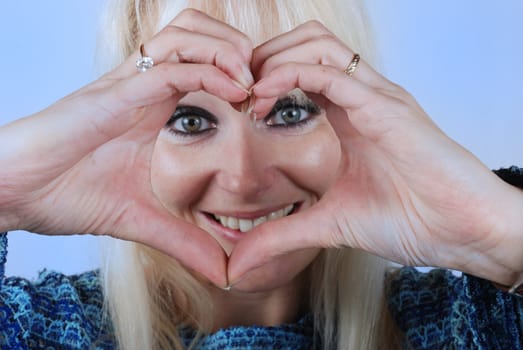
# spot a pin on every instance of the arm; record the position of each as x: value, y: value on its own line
x: 68, y: 169
x: 438, y: 310
x: 405, y: 191
x: 513, y: 225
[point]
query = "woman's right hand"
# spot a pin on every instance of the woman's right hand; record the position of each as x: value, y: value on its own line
x: 83, y: 164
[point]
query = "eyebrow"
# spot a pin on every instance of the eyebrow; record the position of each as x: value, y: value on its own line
x: 298, y: 95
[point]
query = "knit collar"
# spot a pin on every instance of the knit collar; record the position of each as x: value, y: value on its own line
x: 297, y: 335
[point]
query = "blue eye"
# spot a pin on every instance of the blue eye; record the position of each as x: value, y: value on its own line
x: 190, y: 120
x: 288, y: 115
x: 288, y: 112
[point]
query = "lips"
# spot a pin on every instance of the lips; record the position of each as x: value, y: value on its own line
x: 245, y: 225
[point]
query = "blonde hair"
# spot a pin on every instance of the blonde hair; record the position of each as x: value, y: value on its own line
x: 150, y: 296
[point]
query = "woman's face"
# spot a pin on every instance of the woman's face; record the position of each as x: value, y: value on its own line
x: 214, y: 167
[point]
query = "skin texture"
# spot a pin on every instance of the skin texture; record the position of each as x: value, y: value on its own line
x: 100, y: 161
x: 242, y: 169
x: 405, y: 191
x: 81, y: 156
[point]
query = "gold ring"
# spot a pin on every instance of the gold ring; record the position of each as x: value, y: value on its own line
x: 353, y: 64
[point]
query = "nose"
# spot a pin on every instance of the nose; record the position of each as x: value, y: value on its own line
x: 246, y: 169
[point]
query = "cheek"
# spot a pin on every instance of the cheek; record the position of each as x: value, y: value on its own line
x: 177, y: 177
x: 312, y: 160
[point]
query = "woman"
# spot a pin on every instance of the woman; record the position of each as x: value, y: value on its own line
x: 278, y: 130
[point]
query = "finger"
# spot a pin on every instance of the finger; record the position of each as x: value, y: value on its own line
x: 371, y: 112
x: 96, y: 117
x: 268, y: 241
x: 311, y: 42
x: 279, y: 43
x: 195, y: 37
x: 336, y: 86
x: 324, y: 50
x: 177, y: 45
x: 193, y: 247
x: 198, y: 21
x: 165, y: 82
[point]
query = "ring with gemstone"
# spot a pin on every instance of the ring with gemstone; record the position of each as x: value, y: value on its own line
x: 353, y: 64
x: 144, y: 62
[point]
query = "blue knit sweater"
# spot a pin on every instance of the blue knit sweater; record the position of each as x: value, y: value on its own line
x: 435, y: 310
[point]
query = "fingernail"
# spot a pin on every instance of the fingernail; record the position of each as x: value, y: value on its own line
x: 241, y: 87
x: 236, y: 282
x: 232, y: 284
x: 246, y: 79
x: 252, y: 102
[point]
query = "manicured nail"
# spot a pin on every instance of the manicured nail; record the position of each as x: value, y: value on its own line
x: 252, y: 103
x: 241, y: 87
x: 247, y: 78
x: 235, y: 283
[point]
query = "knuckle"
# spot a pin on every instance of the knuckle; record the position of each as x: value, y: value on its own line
x: 165, y: 68
x: 170, y: 30
x: 226, y: 46
x: 328, y: 40
x: 314, y: 27
x: 226, y: 54
x: 397, y: 88
x: 187, y: 17
x: 291, y: 67
x: 244, y: 40
x: 246, y: 45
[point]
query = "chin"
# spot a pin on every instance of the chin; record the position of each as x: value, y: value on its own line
x: 278, y: 273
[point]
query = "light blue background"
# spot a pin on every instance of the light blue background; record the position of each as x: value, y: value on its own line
x: 461, y: 59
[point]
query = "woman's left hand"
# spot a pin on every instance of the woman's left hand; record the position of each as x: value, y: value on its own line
x: 405, y: 190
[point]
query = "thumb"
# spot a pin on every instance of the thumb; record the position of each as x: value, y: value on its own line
x: 314, y: 227
x: 187, y: 243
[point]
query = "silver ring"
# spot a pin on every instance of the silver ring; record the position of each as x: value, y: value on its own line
x: 144, y: 62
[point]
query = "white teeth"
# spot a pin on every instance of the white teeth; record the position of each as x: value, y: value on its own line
x: 276, y: 214
x: 260, y: 220
x: 288, y: 209
x: 233, y: 223
x: 245, y: 225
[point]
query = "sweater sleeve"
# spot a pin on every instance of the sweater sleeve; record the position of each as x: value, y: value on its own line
x: 438, y: 310
x: 3, y: 253
x: 55, y: 311
x: 512, y: 175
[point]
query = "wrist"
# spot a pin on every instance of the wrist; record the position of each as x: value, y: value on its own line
x: 515, y: 229
x: 517, y: 287
x: 510, y: 230
x: 8, y: 222
x: 498, y: 256
x: 9, y: 219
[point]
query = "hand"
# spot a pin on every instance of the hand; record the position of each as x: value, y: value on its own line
x: 83, y: 164
x: 405, y: 191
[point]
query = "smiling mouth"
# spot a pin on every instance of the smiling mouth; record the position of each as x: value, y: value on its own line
x: 245, y: 225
